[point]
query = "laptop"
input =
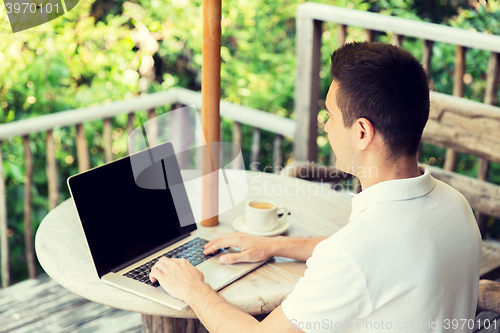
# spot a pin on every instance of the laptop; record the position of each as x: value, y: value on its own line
x: 129, y: 227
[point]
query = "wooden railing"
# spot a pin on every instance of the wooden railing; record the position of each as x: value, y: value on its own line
x: 260, y: 120
x: 310, y: 18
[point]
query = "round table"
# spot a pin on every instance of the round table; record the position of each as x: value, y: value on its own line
x: 315, y: 208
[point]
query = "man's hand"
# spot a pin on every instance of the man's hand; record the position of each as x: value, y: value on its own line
x: 178, y: 277
x: 253, y: 248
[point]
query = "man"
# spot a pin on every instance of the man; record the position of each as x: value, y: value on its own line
x: 409, y: 258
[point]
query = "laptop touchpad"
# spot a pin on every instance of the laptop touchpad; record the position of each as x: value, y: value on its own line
x: 215, y: 273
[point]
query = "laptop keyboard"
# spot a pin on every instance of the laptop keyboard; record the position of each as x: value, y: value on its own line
x: 192, y: 251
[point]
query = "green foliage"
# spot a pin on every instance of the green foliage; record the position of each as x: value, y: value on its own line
x: 100, y: 51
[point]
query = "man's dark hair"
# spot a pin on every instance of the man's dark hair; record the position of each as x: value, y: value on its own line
x: 386, y: 85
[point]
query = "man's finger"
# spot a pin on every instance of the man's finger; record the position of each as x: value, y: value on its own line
x: 161, y: 265
x: 233, y: 258
x: 216, y: 240
x: 153, y: 274
x: 229, y: 241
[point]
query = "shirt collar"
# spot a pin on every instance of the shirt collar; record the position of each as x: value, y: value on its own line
x: 394, y: 190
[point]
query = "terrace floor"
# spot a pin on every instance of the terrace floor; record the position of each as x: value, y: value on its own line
x: 43, y: 305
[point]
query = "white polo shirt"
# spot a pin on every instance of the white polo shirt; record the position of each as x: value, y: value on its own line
x: 407, y: 261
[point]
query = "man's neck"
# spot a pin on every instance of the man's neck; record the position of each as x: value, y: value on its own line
x: 381, y: 172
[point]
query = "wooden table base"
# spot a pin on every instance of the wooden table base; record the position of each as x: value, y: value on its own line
x: 157, y: 324
x: 154, y: 324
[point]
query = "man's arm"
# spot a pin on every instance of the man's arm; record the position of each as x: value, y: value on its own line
x: 182, y: 280
x: 300, y: 248
x: 256, y: 248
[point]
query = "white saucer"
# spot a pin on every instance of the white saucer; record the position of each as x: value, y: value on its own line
x: 240, y: 225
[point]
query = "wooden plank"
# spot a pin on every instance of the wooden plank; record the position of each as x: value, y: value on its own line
x: 426, y: 63
x: 28, y: 183
x: 464, y: 125
x: 492, y: 79
x: 450, y: 160
x: 130, y: 123
x: 396, y: 39
x: 152, y: 129
x: 180, y: 134
x: 458, y: 90
x: 82, y: 150
x: 458, y: 77
x: 42, y: 305
x: 341, y: 34
x: 307, y: 93
x: 489, y: 296
x: 490, y: 97
x: 108, y: 154
x: 369, y: 35
x: 77, y: 116
x: 398, y: 25
x: 426, y: 57
x: 237, y: 139
x: 255, y: 149
x: 53, y: 187
x: 4, y: 239
x: 243, y: 114
x: 277, y: 153
x: 482, y: 196
x: 154, y: 324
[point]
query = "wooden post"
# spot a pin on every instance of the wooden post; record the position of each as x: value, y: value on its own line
x: 370, y: 34
x: 236, y: 164
x: 130, y: 123
x: 450, y: 161
x: 490, y: 97
x: 210, y: 110
x: 53, y: 188
x: 28, y: 235
x: 307, y: 90
x: 396, y: 39
x: 277, y: 154
x: 82, y: 149
x: 255, y: 150
x: 154, y: 324
x: 4, y: 239
x: 108, y: 154
x: 152, y: 131
x: 180, y: 135
x: 426, y: 63
x: 341, y: 34
x: 426, y: 57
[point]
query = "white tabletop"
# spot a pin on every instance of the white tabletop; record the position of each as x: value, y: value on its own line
x: 315, y: 210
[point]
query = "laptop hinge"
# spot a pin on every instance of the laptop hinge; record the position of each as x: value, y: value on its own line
x: 158, y: 248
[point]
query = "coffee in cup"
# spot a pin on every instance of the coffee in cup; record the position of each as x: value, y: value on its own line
x: 261, y: 205
x: 262, y: 215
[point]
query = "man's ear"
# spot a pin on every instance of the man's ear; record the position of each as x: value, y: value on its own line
x: 364, y: 132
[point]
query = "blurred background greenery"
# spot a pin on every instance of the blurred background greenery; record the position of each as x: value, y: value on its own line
x: 106, y: 50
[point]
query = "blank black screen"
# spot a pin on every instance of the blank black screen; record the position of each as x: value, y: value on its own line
x: 121, y: 220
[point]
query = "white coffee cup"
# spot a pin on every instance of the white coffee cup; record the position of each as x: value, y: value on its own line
x: 262, y: 215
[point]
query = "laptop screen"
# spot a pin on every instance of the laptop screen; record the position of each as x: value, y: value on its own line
x: 121, y: 220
